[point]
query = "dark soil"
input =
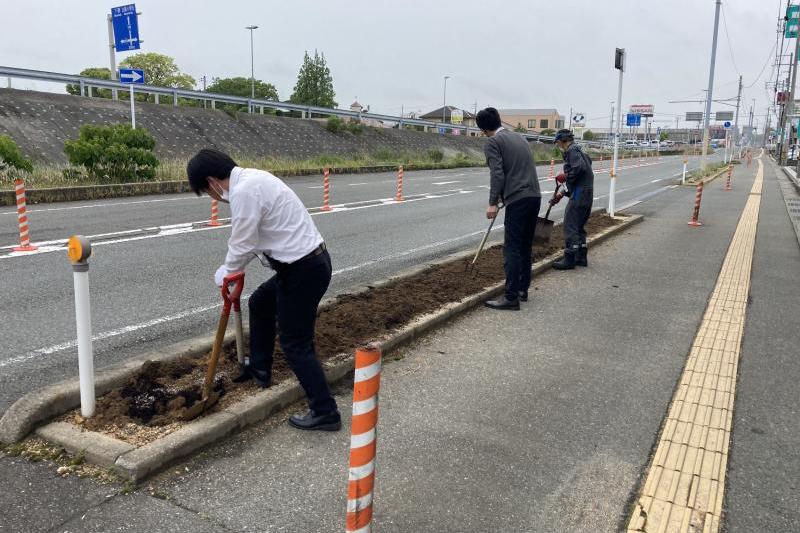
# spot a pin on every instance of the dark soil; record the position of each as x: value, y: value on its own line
x: 160, y: 392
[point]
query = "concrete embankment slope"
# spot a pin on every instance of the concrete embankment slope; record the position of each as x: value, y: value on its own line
x: 41, y: 122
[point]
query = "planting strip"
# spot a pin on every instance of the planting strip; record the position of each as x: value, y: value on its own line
x: 137, y: 463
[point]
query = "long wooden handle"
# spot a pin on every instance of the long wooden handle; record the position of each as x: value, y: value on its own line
x: 483, y: 241
x: 237, y: 318
x: 215, y: 351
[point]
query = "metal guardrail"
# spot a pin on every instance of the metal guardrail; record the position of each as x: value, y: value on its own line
x: 85, y: 82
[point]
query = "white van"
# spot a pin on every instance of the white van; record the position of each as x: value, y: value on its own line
x: 630, y: 143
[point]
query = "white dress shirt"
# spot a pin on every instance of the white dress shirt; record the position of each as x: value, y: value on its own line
x: 266, y: 216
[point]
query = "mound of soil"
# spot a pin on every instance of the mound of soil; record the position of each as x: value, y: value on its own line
x: 151, y: 403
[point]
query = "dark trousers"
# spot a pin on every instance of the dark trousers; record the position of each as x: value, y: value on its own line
x: 520, y: 225
x: 575, y: 216
x: 291, y: 298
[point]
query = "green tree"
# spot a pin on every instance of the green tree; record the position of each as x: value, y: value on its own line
x: 113, y: 153
x: 159, y: 69
x: 548, y: 132
x: 314, y: 83
x: 11, y: 155
x: 664, y: 136
x: 588, y: 135
x: 240, y: 86
x: 102, y: 73
x: 520, y: 128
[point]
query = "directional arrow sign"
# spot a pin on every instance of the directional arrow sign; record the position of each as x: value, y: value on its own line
x: 126, y: 28
x: 131, y: 75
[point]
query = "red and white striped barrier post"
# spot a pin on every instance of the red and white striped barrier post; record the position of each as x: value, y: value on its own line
x: 697, y: 198
x: 326, y: 189
x: 363, y: 437
x: 552, y: 169
x: 24, y: 238
x: 399, y: 196
x: 214, y: 220
x: 728, y: 179
x: 601, y: 162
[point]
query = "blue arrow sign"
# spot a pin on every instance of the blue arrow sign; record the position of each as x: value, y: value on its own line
x: 633, y: 119
x: 126, y: 28
x: 727, y: 124
x: 131, y: 75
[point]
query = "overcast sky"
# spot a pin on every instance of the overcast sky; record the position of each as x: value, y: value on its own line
x: 510, y: 53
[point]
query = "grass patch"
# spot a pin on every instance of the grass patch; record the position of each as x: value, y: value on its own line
x: 698, y: 174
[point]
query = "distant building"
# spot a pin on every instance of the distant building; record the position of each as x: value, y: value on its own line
x: 436, y: 114
x: 532, y: 120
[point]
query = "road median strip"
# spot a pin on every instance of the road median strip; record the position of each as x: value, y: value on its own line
x: 137, y: 462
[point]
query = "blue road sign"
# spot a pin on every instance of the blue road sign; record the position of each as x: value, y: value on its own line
x: 727, y: 124
x: 131, y: 75
x: 633, y: 119
x: 126, y: 28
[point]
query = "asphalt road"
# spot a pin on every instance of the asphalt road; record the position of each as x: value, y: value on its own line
x: 151, y: 287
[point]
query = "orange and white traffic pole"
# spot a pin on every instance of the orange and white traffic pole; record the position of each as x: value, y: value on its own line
x: 552, y: 169
x: 214, y: 220
x: 728, y: 179
x: 22, y: 216
x: 685, y: 162
x: 326, y: 189
x: 697, y: 199
x: 399, y: 196
x: 363, y: 438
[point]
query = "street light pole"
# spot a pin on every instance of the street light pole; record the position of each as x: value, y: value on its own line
x: 444, y: 99
x: 710, y: 87
x: 252, y: 64
x: 619, y: 64
x: 611, y: 121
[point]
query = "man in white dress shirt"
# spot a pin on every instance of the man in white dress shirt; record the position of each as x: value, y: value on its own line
x: 268, y: 220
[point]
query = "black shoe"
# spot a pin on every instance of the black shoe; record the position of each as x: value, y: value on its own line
x: 503, y: 303
x: 580, y: 258
x: 565, y: 263
x: 523, y: 296
x: 261, y: 377
x: 310, y: 421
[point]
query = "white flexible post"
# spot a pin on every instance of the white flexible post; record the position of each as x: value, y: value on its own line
x: 79, y: 250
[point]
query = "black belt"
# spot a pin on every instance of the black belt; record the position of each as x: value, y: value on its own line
x: 279, y: 266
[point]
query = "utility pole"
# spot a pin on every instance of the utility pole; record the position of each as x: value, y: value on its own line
x: 570, y: 118
x: 444, y: 100
x: 112, y: 55
x: 252, y: 67
x: 736, y: 137
x: 710, y: 87
x: 788, y: 115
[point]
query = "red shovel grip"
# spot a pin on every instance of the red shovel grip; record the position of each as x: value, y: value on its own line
x: 232, y: 295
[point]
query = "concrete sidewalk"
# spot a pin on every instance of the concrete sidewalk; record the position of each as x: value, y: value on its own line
x: 501, y: 421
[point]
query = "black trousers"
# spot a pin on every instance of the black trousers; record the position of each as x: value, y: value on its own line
x: 575, y: 216
x: 520, y: 225
x: 290, y: 298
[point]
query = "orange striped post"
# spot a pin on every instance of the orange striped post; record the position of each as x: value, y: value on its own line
x: 24, y: 239
x: 326, y: 189
x: 728, y: 179
x: 601, y: 163
x: 214, y: 220
x: 696, y: 214
x: 399, y: 196
x: 552, y: 169
x: 363, y: 437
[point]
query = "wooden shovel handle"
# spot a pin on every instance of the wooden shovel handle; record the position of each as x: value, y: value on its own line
x: 215, y: 351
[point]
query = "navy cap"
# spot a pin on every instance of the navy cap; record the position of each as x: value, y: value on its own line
x: 564, y: 135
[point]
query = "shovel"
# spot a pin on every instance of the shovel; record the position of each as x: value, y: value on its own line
x: 544, y: 226
x: 229, y: 298
x: 471, y: 265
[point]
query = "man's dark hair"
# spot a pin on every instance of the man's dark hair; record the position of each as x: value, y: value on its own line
x: 207, y: 163
x: 488, y: 119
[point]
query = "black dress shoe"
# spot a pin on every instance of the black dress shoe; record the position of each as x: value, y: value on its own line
x: 310, y: 420
x: 504, y: 304
x: 261, y: 377
x: 523, y: 296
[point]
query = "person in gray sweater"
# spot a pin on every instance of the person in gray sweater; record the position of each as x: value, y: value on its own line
x: 515, y: 186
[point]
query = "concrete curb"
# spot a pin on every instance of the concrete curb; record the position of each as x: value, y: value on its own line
x: 138, y: 463
x: 792, y: 177
x: 122, y: 190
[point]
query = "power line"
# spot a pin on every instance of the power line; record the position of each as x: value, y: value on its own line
x: 728, y: 39
x: 769, y: 56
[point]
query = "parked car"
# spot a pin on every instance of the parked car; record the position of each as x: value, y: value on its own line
x: 630, y: 143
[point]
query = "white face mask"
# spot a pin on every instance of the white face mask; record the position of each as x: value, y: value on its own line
x: 222, y: 193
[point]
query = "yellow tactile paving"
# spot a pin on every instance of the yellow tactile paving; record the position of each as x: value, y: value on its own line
x: 685, y: 483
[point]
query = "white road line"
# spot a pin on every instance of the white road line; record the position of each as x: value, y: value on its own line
x: 113, y: 204
x: 362, y: 183
x: 445, y: 182
x: 49, y: 350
